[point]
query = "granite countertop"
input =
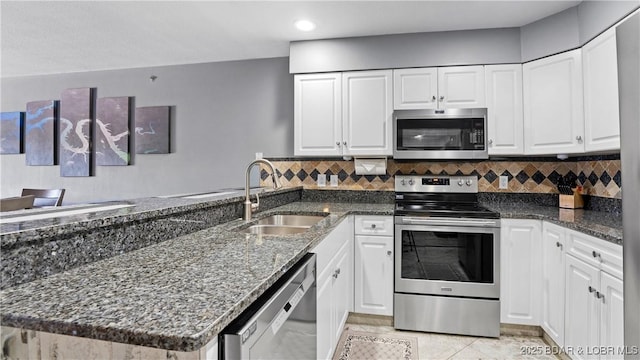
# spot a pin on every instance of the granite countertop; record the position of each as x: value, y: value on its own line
x: 179, y: 294
x: 176, y: 295
x: 141, y: 209
x: 604, y: 225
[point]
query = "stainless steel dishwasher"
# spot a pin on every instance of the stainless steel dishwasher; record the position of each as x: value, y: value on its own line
x: 281, y: 324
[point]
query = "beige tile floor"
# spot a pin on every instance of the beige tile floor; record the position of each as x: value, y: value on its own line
x: 441, y: 346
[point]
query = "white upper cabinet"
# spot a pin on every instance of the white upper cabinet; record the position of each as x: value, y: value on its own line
x: 318, y: 114
x: 461, y: 87
x: 503, y: 85
x: 367, y: 111
x: 600, y: 75
x: 439, y: 88
x: 343, y: 114
x: 553, y: 104
x: 415, y: 88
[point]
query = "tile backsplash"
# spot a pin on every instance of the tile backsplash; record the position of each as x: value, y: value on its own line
x: 600, y: 175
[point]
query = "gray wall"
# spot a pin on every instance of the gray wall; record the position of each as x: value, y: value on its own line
x: 560, y: 32
x: 597, y: 16
x: 224, y: 113
x: 553, y: 34
x: 492, y: 46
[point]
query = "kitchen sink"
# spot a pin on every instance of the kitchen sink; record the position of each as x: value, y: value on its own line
x: 282, y: 224
x: 290, y: 220
x: 275, y: 229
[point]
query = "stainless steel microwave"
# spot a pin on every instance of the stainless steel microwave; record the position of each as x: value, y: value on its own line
x: 440, y: 134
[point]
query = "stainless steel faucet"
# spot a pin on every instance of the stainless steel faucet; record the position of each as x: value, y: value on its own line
x: 250, y: 207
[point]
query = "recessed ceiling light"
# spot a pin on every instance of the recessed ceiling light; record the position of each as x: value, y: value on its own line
x: 305, y: 25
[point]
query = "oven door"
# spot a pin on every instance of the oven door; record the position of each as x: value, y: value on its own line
x: 447, y: 257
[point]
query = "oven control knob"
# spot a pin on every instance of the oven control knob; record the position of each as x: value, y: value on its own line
x: 469, y: 182
x: 403, y: 182
x: 411, y: 182
x: 460, y: 182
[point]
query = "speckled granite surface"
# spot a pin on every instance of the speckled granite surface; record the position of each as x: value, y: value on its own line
x: 35, y: 249
x: 176, y: 295
x: 603, y: 225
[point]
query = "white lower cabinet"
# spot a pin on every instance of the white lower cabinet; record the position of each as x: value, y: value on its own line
x: 334, y: 286
x: 520, y: 271
x: 553, y: 291
x: 373, y: 270
x: 373, y: 275
x: 594, y: 317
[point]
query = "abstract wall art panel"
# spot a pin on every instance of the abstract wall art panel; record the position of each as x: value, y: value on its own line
x: 113, y: 118
x: 11, y: 132
x: 40, y: 133
x: 76, y: 125
x: 152, y: 129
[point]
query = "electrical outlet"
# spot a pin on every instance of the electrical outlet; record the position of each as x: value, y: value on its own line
x: 334, y: 180
x: 322, y: 180
x: 504, y: 182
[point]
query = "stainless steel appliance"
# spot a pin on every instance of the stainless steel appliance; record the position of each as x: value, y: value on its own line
x: 440, y: 134
x: 447, y: 257
x: 628, y: 47
x: 282, y: 323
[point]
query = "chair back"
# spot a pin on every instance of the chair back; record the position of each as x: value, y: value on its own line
x: 45, y: 197
x: 16, y: 203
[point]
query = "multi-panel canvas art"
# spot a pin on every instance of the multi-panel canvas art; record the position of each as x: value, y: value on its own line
x: 113, y: 117
x: 152, y: 130
x: 40, y: 133
x: 11, y: 132
x: 76, y: 122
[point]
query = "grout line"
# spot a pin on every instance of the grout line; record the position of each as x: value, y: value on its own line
x: 454, y: 354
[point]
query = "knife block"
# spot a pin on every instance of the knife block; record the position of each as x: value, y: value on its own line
x: 574, y: 201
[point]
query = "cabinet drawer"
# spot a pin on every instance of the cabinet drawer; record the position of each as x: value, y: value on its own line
x: 374, y: 225
x: 604, y: 255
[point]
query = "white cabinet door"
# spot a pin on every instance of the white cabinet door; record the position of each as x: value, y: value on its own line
x: 367, y: 110
x: 373, y: 275
x: 461, y: 87
x: 318, y: 114
x: 342, y: 278
x: 325, y: 319
x: 415, y: 88
x: 553, y: 291
x: 582, y: 316
x: 504, y: 105
x: 553, y: 111
x: 600, y: 70
x: 611, y: 315
x: 520, y: 271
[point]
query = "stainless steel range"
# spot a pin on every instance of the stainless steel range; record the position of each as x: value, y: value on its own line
x: 447, y: 257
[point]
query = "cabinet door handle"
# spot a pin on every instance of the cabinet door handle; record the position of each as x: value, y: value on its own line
x: 490, y: 141
x: 389, y: 252
x: 373, y: 226
x: 344, y: 143
x: 579, y: 138
x: 597, y: 255
x: 338, y: 143
x: 433, y: 98
x: 336, y: 273
x: 600, y: 295
x: 559, y: 245
x: 441, y: 98
x: 592, y: 290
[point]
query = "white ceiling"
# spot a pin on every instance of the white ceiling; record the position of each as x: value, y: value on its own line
x: 45, y: 37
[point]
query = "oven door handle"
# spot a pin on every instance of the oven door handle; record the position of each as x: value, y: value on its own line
x: 443, y: 222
